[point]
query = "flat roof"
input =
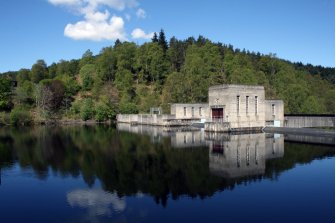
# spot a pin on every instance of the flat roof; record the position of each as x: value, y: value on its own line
x: 236, y: 86
x: 273, y: 100
x: 189, y: 104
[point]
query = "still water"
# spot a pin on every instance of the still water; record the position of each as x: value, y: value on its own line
x: 148, y: 174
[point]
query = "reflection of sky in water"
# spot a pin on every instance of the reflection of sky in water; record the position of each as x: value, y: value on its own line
x: 97, y: 201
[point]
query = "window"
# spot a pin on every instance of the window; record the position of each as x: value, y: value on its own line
x: 256, y: 105
x: 273, y: 109
x: 247, y: 105
x: 184, y: 111
x: 192, y: 111
x: 238, y: 105
x: 200, y: 112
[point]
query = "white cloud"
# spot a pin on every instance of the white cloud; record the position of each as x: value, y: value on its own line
x: 98, y: 25
x: 97, y: 28
x: 97, y: 16
x: 140, y: 34
x: 141, y: 13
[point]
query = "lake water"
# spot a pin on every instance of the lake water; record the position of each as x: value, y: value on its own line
x: 147, y: 174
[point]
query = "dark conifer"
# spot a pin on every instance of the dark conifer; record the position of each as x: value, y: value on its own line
x: 162, y: 40
x: 154, y: 38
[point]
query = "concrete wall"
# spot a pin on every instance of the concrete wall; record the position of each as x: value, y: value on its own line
x: 145, y: 119
x: 301, y: 121
x: 189, y: 111
x: 239, y: 116
x: 274, y: 112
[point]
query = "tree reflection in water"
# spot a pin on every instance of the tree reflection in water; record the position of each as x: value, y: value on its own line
x: 158, y: 162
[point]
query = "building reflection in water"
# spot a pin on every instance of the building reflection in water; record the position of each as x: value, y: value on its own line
x: 230, y: 155
x: 233, y: 156
x: 181, y: 137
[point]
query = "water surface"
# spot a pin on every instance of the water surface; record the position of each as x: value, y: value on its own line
x: 147, y: 174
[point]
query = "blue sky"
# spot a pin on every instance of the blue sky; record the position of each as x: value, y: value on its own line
x: 296, y: 30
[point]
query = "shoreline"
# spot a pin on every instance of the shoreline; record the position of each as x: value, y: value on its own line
x: 60, y: 122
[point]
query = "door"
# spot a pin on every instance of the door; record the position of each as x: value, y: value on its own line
x: 217, y: 113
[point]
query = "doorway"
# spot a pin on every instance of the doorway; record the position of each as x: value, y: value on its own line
x: 217, y: 113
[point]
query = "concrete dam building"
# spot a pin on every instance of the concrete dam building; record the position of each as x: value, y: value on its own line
x: 242, y: 107
x: 230, y: 108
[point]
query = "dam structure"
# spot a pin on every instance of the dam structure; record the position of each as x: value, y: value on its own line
x: 230, y: 108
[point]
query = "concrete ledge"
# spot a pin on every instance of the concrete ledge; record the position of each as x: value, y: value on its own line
x: 300, y: 131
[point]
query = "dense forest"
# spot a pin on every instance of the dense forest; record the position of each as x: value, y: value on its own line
x: 130, y: 78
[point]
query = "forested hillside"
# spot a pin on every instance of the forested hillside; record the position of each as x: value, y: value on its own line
x: 130, y: 78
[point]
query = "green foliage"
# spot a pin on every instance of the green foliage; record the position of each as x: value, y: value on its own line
x: 75, y: 108
x: 86, y: 59
x: 24, y: 92
x: 128, y: 108
x: 4, y: 118
x: 175, y: 89
x: 151, y: 63
x: 87, y: 73
x: 53, y: 69
x: 104, y: 111
x: 124, y: 81
x: 147, y: 97
x: 39, y: 71
x: 106, y: 64
x: 312, y: 105
x: 203, y: 67
x: 87, y: 109
x: 154, y: 38
x: 20, y: 116
x: 176, y: 53
x: 5, y: 93
x: 125, y: 55
x: 22, y: 76
x: 71, y: 85
x: 162, y: 41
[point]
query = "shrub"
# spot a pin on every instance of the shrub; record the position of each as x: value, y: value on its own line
x: 19, y: 116
x: 75, y: 107
x: 4, y: 118
x: 128, y: 108
x: 104, y: 112
x: 87, y: 109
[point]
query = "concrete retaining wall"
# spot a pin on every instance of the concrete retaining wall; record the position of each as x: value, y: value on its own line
x: 301, y: 121
x: 159, y: 120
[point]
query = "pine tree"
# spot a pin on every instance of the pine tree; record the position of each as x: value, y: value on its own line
x: 117, y: 43
x: 154, y: 38
x: 162, y: 40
